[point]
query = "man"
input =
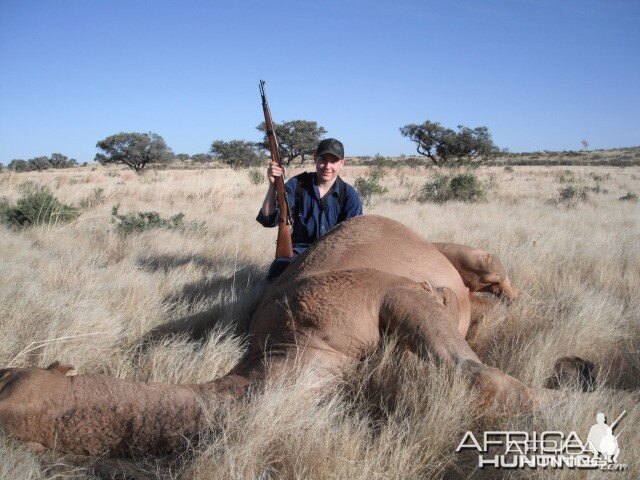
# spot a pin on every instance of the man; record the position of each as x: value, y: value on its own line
x: 318, y: 201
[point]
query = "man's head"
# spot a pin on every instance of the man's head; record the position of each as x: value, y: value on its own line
x: 329, y: 159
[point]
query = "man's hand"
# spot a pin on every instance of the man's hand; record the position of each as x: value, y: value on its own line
x: 273, y: 171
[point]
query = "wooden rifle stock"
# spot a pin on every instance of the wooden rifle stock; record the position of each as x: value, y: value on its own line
x: 284, y: 248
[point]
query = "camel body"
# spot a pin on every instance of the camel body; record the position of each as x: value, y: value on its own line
x: 368, y: 276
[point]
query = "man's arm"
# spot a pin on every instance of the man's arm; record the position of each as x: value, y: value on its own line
x: 268, y: 214
x: 353, y: 204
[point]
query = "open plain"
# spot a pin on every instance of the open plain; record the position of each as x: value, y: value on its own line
x: 81, y: 293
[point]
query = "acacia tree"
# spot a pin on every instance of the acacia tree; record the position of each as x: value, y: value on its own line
x: 134, y: 150
x: 296, y: 138
x: 59, y: 160
x: 19, y: 165
x: 445, y: 146
x: 40, y: 163
x: 202, y: 158
x: 237, y: 153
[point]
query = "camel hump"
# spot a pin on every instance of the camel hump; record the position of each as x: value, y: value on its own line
x: 60, y: 368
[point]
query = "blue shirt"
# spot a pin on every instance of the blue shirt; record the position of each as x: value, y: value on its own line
x: 314, y: 217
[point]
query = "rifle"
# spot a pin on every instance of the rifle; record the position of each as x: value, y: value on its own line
x: 284, y: 248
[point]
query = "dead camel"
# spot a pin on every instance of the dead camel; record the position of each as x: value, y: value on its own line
x: 368, y: 276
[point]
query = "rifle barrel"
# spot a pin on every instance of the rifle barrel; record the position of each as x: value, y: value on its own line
x: 613, y: 425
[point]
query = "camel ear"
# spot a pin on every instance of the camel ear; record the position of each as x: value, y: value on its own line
x: 59, y: 368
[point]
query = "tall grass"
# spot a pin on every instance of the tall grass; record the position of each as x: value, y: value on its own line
x: 83, y: 294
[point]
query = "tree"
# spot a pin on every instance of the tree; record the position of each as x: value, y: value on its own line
x: 445, y: 146
x: 40, y: 163
x: 134, y: 150
x: 202, y: 158
x: 19, y: 165
x: 296, y: 138
x: 237, y: 153
x: 58, y: 160
x: 585, y: 144
x: 182, y: 157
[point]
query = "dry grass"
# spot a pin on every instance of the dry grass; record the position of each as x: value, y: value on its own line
x: 82, y: 294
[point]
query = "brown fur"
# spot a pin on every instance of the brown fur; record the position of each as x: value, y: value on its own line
x: 573, y: 373
x: 368, y: 276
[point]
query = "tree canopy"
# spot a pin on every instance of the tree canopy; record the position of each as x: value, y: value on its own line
x: 40, y: 163
x: 236, y: 153
x: 202, y: 158
x: 134, y: 150
x: 19, y: 165
x: 58, y: 160
x: 445, y: 146
x: 296, y: 138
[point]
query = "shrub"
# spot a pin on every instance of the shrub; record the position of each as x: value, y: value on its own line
x: 570, y: 196
x: 567, y: 177
x: 29, y: 187
x: 370, y: 186
x: 629, y: 197
x: 96, y: 197
x: 36, y: 207
x: 256, y: 177
x: 465, y: 187
x: 379, y: 161
x: 4, y: 206
x: 136, y: 222
x: 508, y: 169
x: 599, y: 189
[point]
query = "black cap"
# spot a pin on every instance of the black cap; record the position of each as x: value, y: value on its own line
x: 331, y: 146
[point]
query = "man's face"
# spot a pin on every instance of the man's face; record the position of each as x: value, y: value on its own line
x: 328, y: 166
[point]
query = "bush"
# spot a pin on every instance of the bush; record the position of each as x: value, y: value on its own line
x: 379, y: 161
x: 629, y: 197
x: 570, y: 196
x: 256, y: 177
x: 567, y: 177
x: 465, y: 187
x: 29, y: 187
x: 136, y: 222
x: 367, y: 187
x: 96, y: 197
x: 4, y: 206
x: 36, y: 207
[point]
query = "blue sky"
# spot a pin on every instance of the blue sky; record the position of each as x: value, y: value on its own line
x: 540, y: 74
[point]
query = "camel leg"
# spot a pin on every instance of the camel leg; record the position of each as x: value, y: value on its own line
x: 94, y: 414
x: 480, y: 270
x: 479, y: 308
x: 422, y: 321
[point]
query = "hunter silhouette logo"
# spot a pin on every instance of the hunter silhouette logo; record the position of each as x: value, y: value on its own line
x: 548, y: 449
x: 602, y: 439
